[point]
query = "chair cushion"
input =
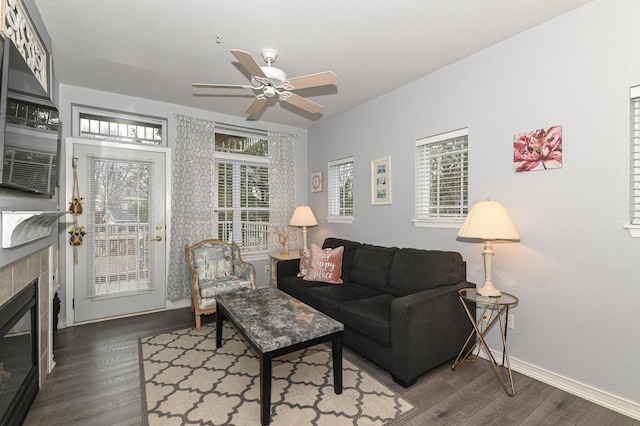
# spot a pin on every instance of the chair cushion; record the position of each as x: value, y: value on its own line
x: 207, y: 303
x: 370, y: 317
x: 223, y: 285
x: 213, y: 261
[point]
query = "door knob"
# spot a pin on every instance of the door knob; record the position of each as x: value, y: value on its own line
x: 158, y: 238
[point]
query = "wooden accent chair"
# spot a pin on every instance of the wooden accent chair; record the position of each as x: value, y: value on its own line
x: 216, y: 267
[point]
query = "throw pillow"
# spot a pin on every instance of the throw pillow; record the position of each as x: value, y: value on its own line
x: 305, y: 258
x: 325, y: 265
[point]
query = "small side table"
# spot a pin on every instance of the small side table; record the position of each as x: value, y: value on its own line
x: 275, y: 257
x: 495, y: 309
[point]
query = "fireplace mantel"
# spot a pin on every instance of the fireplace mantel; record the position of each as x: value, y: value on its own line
x: 21, y: 227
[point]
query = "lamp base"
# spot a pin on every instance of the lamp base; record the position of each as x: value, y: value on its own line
x: 489, y: 291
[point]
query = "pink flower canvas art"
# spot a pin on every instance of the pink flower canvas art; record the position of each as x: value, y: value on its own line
x: 538, y: 150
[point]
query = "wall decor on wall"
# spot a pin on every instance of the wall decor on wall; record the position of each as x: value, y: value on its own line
x: 381, y: 181
x: 316, y: 182
x: 538, y: 150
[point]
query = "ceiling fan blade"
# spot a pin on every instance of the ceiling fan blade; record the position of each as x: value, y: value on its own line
x: 256, y: 106
x: 248, y: 62
x: 314, y: 80
x: 224, y: 86
x: 303, y: 103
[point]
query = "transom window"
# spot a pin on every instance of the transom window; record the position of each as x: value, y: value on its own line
x: 241, y: 201
x: 119, y: 127
x: 442, y: 179
x: 340, y: 189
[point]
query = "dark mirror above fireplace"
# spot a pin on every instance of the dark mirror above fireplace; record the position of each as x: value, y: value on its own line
x: 29, y: 128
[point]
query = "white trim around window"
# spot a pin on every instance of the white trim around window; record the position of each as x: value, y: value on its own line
x: 340, y: 190
x: 634, y: 168
x: 441, y: 192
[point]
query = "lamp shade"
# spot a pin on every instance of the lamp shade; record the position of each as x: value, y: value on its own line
x: 489, y: 220
x: 303, y: 216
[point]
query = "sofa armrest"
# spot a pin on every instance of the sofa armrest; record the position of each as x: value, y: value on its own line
x: 287, y: 268
x: 427, y: 329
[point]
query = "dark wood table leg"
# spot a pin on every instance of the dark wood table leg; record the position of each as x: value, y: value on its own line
x: 265, y: 389
x: 336, y: 350
x: 219, y: 318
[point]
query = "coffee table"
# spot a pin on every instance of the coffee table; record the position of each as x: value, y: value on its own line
x: 275, y: 324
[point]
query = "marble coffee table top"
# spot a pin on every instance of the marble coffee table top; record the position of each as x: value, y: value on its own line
x: 272, y: 319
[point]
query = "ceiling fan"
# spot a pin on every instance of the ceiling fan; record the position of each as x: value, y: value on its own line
x: 270, y: 81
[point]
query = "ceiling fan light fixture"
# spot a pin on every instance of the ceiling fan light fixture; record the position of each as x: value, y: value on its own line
x: 269, y: 91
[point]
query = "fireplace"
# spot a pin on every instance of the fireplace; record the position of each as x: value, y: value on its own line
x: 18, y: 355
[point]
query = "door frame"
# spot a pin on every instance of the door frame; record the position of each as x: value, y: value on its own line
x: 68, y: 192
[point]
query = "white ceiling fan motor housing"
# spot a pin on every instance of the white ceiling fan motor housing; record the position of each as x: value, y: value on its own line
x: 274, y: 75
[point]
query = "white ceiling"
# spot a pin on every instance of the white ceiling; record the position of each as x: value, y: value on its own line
x: 156, y: 48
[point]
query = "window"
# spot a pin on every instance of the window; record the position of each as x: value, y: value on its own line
x: 340, y: 188
x: 442, y: 179
x: 635, y: 156
x: 241, y: 203
x: 119, y: 127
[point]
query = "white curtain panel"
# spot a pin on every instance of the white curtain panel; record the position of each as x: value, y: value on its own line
x: 282, y: 187
x: 192, y: 200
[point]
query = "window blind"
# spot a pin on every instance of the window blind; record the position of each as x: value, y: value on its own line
x: 635, y: 155
x: 340, y: 188
x: 442, y: 177
x: 241, y: 202
x: 120, y: 192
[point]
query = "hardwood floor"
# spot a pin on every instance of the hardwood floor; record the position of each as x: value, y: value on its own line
x: 96, y: 381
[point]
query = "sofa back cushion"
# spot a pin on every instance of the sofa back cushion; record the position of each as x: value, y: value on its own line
x: 347, y: 255
x: 371, y: 266
x: 416, y: 270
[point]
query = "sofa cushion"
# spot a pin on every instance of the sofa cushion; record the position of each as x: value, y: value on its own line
x: 325, y: 265
x: 416, y: 270
x: 296, y: 286
x: 371, y: 266
x: 347, y: 256
x: 370, y: 317
x: 327, y: 298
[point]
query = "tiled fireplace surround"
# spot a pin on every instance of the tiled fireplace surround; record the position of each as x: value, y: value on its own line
x: 16, y: 276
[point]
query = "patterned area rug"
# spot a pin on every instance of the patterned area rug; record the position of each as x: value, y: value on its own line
x: 186, y: 380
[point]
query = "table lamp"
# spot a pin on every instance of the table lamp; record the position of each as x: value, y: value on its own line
x: 488, y: 221
x: 303, y: 216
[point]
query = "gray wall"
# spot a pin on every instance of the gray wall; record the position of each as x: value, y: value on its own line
x: 576, y: 269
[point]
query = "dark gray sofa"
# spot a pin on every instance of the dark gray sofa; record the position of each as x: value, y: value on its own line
x: 399, y: 307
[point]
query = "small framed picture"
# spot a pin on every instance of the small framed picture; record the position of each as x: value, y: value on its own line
x: 381, y: 181
x: 539, y: 149
x: 316, y: 182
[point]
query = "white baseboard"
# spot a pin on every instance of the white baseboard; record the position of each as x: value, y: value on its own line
x: 605, y: 399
